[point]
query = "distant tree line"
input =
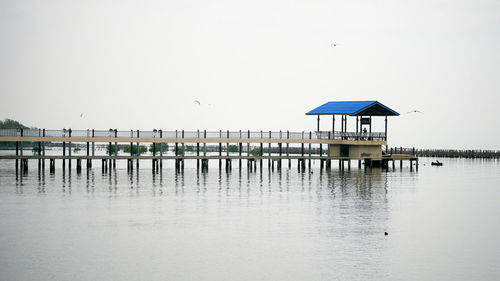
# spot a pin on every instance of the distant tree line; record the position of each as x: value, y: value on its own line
x: 11, y: 124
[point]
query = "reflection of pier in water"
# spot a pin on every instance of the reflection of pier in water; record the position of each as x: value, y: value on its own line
x: 336, y: 183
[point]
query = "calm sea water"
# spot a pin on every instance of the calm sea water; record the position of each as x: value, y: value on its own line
x: 443, y: 224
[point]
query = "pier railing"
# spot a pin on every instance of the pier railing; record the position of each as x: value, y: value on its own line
x: 200, y: 134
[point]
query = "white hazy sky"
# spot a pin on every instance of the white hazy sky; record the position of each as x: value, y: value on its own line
x: 260, y: 64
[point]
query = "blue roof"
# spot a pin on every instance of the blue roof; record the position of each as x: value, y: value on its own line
x: 367, y: 108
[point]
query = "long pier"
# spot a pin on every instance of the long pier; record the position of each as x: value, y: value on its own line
x: 251, y: 143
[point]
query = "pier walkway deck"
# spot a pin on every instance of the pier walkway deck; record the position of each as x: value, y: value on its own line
x: 283, y: 142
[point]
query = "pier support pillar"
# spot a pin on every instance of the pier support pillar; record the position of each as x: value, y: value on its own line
x: 24, y: 166
x: 52, y: 166
x: 78, y: 166
x: 64, y: 154
x: 17, y: 153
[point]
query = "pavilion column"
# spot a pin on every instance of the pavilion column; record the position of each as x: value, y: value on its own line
x: 357, y: 121
x: 370, y: 124
x: 385, y: 128
x: 333, y: 125
x: 318, y: 123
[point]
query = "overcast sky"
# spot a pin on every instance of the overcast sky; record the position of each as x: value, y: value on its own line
x: 257, y: 65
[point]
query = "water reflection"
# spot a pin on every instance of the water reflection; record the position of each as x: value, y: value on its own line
x: 362, y: 183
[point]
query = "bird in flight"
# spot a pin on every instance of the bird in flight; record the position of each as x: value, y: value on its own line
x: 198, y: 102
x: 81, y: 115
x: 334, y: 44
x: 414, y: 111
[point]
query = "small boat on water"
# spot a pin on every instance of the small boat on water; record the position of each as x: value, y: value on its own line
x: 437, y: 163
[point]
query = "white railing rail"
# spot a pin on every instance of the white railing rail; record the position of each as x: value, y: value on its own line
x: 201, y: 134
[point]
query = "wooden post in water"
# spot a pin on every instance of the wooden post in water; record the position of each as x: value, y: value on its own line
x: 269, y: 152
x: 310, y: 138
x: 64, y: 160
x: 116, y: 148
x: 69, y: 151
x: 288, y: 150
x: 205, y: 144
x: 93, y: 147
x: 43, y: 151
x: 240, y: 148
x: 52, y: 165
x: 161, y: 149
x: 17, y: 154
x: 198, y: 152
x: 138, y: 152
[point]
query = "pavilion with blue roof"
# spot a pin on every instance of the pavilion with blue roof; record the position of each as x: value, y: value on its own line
x: 362, y: 110
x: 363, y: 142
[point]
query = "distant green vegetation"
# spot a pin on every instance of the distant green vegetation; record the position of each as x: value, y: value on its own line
x: 76, y: 149
x: 179, y: 150
x: 233, y: 148
x: 255, y: 152
x: 157, y: 147
x: 11, y: 124
x: 142, y: 149
x: 114, y: 149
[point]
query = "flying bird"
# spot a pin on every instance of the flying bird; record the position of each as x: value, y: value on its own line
x: 334, y: 44
x: 198, y: 102
x: 414, y: 111
x: 81, y: 115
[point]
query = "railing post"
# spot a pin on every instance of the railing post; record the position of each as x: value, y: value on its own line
x: 137, y: 150
x: 44, y: 132
x: 69, y: 148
